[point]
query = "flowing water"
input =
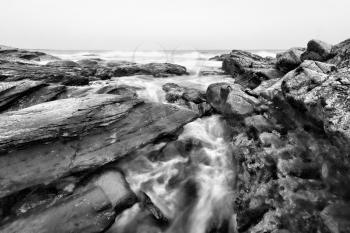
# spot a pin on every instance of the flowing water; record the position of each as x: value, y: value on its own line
x: 191, y: 181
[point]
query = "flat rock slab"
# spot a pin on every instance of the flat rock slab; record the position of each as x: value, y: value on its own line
x: 42, y: 143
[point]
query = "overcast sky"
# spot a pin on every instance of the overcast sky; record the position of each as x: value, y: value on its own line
x: 172, y: 24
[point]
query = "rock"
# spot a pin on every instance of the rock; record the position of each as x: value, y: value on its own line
x: 163, y: 69
x: 190, y: 98
x: 147, y: 203
x: 174, y: 92
x: 89, y: 211
x: 119, y: 69
x: 213, y: 72
x: 230, y: 100
x: 221, y: 57
x: 259, y: 123
x: 88, y: 62
x: 249, y: 69
x: 91, y: 208
x: 272, y: 88
x: 317, y: 51
x: 14, y: 54
x: 44, y: 142
x: 73, y: 74
x: 63, y: 63
x: 12, y: 92
x: 324, y: 97
x: 114, y: 185
x: 337, y: 217
x: 342, y: 54
x: 10, y: 71
x: 270, y: 139
x: 320, y: 67
x: 289, y: 59
x: 37, y: 96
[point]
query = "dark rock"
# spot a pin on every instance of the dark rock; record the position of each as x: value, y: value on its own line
x: 44, y: 142
x: 63, y: 63
x: 49, y: 74
x: 317, y: 51
x: 230, y: 100
x: 249, y: 69
x: 289, y: 59
x: 163, y: 69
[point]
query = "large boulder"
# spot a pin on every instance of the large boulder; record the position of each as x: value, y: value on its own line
x: 317, y: 51
x: 230, y: 100
x: 45, y: 142
x: 290, y: 59
x: 322, y: 96
x: 249, y: 69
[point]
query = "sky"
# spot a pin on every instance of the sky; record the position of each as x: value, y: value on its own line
x: 171, y: 24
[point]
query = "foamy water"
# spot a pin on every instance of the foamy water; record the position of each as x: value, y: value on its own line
x: 194, y: 192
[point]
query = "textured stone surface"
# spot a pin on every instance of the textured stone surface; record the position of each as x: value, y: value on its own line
x: 47, y: 141
x: 249, y: 69
x: 290, y: 59
x: 230, y: 100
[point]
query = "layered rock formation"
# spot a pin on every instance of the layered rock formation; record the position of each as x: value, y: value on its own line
x: 60, y: 136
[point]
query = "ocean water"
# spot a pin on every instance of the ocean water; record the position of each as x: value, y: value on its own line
x: 193, y: 60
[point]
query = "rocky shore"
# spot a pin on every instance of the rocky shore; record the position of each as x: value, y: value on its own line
x: 64, y: 141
